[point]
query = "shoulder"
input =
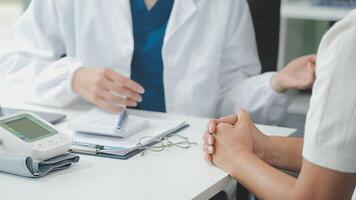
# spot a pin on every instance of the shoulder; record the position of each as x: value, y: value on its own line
x: 351, y: 17
x: 344, y: 29
x: 338, y: 43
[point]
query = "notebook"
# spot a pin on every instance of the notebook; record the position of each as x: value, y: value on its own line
x: 122, y: 148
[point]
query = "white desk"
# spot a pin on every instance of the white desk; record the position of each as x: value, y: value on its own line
x: 172, y: 174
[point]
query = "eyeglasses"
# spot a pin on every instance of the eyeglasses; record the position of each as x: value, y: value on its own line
x: 148, y: 143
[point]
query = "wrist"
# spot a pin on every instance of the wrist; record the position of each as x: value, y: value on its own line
x: 76, y: 80
x: 277, y: 83
x: 260, y: 147
x: 240, y: 162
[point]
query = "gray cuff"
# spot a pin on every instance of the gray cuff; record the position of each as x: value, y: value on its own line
x: 25, y: 166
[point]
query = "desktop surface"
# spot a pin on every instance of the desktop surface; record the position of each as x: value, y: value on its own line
x: 171, y: 174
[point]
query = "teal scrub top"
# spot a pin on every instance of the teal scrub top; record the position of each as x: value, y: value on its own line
x: 149, y: 27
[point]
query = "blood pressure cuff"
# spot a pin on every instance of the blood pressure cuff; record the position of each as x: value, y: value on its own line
x: 26, y: 167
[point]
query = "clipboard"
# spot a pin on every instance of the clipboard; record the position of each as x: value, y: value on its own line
x: 99, y: 150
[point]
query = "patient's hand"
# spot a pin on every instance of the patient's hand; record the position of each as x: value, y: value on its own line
x: 298, y: 74
x: 106, y: 88
x: 231, y: 137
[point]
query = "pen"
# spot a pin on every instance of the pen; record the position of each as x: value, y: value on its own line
x: 122, y: 119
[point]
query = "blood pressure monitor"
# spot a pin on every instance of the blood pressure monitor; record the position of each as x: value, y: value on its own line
x: 26, y: 134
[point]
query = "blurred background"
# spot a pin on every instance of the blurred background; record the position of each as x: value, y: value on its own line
x: 10, y: 11
x: 301, y: 25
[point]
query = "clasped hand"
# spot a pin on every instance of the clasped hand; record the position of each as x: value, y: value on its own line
x: 229, y: 137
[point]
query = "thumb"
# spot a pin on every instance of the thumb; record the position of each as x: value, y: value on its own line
x: 231, y: 119
x: 243, y: 115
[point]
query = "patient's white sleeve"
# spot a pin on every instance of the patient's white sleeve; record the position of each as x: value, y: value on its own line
x: 330, y: 137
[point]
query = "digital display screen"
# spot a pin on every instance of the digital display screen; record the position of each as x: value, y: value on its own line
x: 28, y: 130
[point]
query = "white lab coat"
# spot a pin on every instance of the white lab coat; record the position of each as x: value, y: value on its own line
x: 209, y: 53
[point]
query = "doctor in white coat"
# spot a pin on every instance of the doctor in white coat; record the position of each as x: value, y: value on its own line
x: 66, y: 49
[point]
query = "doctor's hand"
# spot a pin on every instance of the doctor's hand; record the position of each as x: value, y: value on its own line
x: 298, y: 74
x: 107, y: 89
x: 229, y: 141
